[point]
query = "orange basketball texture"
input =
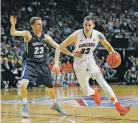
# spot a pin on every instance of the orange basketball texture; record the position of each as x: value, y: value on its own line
x: 113, y: 60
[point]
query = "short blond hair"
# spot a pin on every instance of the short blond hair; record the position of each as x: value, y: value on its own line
x: 33, y: 19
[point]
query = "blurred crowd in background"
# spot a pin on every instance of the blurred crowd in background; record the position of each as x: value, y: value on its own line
x: 115, y: 19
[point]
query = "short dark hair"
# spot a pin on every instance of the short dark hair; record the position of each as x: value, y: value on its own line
x: 89, y: 18
x: 33, y: 19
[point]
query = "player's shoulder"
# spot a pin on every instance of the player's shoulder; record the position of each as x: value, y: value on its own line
x: 46, y: 35
x: 78, y: 31
x: 28, y: 36
x: 96, y: 31
x: 29, y: 31
x: 75, y: 33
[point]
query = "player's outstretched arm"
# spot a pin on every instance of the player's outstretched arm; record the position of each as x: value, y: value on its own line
x: 106, y: 44
x: 14, y: 32
x: 71, y: 39
x: 55, y: 45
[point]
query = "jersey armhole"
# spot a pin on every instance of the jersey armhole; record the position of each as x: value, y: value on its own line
x: 26, y: 39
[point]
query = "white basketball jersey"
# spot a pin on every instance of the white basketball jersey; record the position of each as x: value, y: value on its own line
x: 86, y: 45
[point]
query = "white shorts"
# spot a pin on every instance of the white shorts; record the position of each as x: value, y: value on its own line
x: 84, y: 70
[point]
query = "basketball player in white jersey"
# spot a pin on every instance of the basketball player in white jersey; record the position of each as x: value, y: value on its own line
x: 86, y: 41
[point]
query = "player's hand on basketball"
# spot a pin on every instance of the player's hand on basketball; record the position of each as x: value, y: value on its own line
x: 56, y: 69
x: 113, y: 52
x: 77, y: 54
x: 13, y: 20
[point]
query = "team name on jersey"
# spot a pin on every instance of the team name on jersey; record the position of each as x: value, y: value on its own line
x: 87, y: 45
x: 38, y: 56
x: 37, y: 43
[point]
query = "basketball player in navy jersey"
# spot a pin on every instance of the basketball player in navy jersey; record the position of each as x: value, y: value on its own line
x: 86, y: 41
x: 36, y: 67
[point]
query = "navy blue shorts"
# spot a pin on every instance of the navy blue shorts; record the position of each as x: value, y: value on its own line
x: 37, y: 73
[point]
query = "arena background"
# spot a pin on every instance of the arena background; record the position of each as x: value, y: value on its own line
x: 116, y: 19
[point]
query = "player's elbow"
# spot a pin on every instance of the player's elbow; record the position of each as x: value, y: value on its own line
x: 60, y: 48
x: 11, y: 33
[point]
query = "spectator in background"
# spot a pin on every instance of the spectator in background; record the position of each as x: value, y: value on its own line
x: 137, y: 64
x: 18, y: 70
x: 54, y: 76
x: 109, y: 72
x: 133, y: 75
x: 3, y: 84
x: 137, y: 77
x: 7, y: 72
x: 114, y: 19
x: 13, y: 70
x: 63, y: 73
x: 130, y: 62
x: 70, y: 74
x: 130, y: 76
x: 127, y: 77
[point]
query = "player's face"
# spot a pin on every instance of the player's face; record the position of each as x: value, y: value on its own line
x: 88, y: 25
x: 38, y: 25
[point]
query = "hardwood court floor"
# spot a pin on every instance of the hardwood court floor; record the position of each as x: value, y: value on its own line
x: 40, y: 111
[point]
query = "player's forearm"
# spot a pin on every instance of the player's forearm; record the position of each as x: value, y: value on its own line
x: 109, y: 48
x: 12, y: 31
x: 67, y: 52
x: 57, y: 55
x: 55, y: 45
x: 105, y: 43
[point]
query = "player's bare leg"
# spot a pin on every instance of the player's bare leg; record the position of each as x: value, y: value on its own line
x: 54, y: 105
x: 23, y: 88
x: 83, y: 78
x: 123, y: 110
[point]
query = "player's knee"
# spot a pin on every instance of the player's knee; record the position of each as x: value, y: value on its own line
x: 85, y: 90
x: 96, y: 75
x: 24, y: 83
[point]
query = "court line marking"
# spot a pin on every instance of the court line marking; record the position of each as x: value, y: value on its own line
x: 107, y: 117
x: 60, y: 117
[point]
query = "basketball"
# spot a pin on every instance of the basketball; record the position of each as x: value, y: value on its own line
x: 113, y: 60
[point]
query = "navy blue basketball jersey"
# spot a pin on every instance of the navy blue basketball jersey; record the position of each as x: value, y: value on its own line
x: 35, y: 50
